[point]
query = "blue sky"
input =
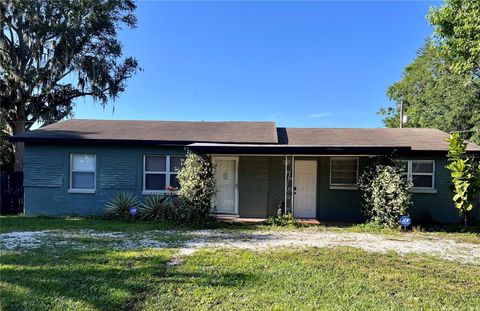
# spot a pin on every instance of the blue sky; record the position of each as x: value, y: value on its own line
x: 301, y: 64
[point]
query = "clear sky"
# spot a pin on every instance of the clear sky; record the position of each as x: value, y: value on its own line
x: 301, y: 64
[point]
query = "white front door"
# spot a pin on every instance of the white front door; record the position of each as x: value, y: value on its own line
x: 226, y: 180
x: 305, y: 191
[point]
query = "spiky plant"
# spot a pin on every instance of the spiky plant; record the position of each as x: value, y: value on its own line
x: 119, y: 206
x: 154, y: 208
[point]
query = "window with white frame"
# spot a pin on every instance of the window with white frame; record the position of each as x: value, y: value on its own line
x: 421, y: 173
x: 82, y: 171
x: 160, y: 172
x: 344, y: 171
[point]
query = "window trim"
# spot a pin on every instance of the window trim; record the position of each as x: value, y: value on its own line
x: 338, y: 186
x: 75, y: 190
x: 410, y: 173
x: 167, y: 172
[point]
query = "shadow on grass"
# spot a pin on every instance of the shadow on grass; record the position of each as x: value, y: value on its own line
x: 93, y: 279
x: 100, y: 279
x: 26, y: 223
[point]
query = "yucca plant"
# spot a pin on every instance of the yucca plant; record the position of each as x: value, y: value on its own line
x: 119, y: 206
x: 155, y: 207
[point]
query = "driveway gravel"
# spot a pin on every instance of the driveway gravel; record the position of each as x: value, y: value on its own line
x: 189, y: 241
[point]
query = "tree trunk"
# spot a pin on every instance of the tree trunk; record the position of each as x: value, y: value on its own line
x: 18, y: 147
x: 465, y: 219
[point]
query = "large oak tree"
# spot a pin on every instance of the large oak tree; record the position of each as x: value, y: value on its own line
x: 54, y: 51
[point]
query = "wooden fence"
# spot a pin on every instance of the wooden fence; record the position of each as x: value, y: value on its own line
x: 11, y: 193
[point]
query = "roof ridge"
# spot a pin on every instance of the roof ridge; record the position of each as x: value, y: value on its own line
x: 173, y: 121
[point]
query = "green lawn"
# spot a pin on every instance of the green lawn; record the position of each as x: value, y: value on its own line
x: 330, y: 279
x: 22, y: 223
x: 64, y: 277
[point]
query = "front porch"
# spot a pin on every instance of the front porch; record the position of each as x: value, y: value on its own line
x: 316, y: 188
x: 236, y: 219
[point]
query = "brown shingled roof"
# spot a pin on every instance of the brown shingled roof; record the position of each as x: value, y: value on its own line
x: 156, y: 131
x: 419, y: 139
x: 179, y: 132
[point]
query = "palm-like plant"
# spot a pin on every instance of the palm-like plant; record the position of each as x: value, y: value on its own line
x: 154, y: 208
x: 119, y: 206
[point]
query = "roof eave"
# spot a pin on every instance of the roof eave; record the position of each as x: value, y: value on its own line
x: 50, y: 140
x: 300, y: 150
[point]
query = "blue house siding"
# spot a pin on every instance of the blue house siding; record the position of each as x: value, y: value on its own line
x: 276, y: 184
x: 47, y: 176
x: 336, y: 204
x: 116, y: 173
x: 437, y: 207
x: 346, y: 205
x: 261, y: 184
x: 43, y: 170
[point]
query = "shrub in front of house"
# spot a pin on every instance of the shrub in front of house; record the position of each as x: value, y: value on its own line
x: 154, y: 207
x: 197, y: 187
x: 465, y: 174
x: 191, y: 204
x: 164, y: 207
x: 386, y: 194
x: 119, y: 206
x: 286, y: 220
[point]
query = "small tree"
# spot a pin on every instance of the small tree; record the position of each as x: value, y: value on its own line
x: 197, y: 186
x: 385, y: 193
x: 465, y: 175
x: 6, y: 149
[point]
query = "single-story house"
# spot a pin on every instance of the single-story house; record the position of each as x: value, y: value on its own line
x: 76, y: 166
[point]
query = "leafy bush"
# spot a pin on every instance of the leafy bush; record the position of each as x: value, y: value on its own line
x: 119, y: 206
x: 177, y: 209
x: 465, y: 175
x: 286, y: 220
x: 191, y: 204
x: 385, y: 193
x: 197, y: 187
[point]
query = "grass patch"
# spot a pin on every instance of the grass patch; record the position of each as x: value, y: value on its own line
x: 79, y: 280
x: 25, y: 223
x: 87, y: 273
x: 326, y: 279
x: 333, y: 279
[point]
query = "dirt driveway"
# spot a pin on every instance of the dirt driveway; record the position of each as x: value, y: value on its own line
x: 188, y: 242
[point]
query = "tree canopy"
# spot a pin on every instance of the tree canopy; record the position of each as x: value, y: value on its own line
x: 441, y: 87
x: 54, y: 51
x: 433, y: 96
x: 457, y: 29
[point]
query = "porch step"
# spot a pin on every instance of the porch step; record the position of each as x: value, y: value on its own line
x: 236, y: 219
